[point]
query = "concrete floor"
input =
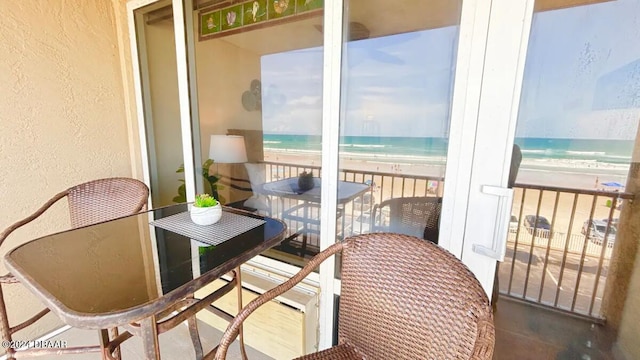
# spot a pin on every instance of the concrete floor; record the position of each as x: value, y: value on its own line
x: 526, y: 332
x: 174, y: 344
x: 523, y: 332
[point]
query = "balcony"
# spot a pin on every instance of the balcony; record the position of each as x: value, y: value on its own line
x: 562, y: 265
x: 552, y: 281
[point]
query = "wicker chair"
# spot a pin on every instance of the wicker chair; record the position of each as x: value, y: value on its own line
x: 401, y: 298
x: 417, y: 216
x: 89, y: 203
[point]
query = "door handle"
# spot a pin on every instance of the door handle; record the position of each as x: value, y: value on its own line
x: 501, y: 226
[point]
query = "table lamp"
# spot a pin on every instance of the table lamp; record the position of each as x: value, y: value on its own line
x: 227, y: 149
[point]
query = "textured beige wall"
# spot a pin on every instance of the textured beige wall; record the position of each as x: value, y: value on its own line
x: 629, y: 330
x: 62, y: 114
x: 622, y: 289
x: 224, y: 72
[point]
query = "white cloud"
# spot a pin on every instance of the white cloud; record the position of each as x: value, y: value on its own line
x: 305, y: 100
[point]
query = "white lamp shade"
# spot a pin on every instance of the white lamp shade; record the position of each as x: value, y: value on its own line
x: 227, y: 149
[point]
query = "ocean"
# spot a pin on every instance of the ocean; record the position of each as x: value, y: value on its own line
x: 569, y: 155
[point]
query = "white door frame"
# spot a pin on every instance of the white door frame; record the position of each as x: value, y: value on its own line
x: 181, y: 38
x: 137, y: 53
x: 331, y: 94
x: 487, y: 215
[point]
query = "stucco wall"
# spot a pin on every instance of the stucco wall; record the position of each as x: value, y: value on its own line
x: 629, y: 330
x: 62, y: 115
x: 622, y: 290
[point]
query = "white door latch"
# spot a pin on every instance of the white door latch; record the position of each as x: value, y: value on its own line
x: 501, y: 226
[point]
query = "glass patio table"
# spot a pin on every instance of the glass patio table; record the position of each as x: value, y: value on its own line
x: 136, y: 272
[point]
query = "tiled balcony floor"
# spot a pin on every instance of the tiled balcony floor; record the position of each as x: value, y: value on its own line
x: 174, y: 344
x: 526, y: 332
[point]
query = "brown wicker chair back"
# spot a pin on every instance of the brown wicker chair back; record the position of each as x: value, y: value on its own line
x: 417, y: 216
x: 89, y: 203
x: 415, y: 300
x: 106, y: 199
x: 401, y: 298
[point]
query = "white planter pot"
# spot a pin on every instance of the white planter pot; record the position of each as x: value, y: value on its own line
x: 206, y: 216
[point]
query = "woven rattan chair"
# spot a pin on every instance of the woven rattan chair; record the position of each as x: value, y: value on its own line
x: 401, y: 298
x: 417, y: 216
x: 89, y: 203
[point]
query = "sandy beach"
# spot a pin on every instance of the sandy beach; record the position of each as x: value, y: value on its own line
x: 561, y: 215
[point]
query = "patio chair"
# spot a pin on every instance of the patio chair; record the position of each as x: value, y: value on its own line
x: 401, y: 298
x: 89, y: 203
x: 257, y: 202
x: 418, y: 216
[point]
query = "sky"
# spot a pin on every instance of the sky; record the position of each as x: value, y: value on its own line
x: 582, y: 80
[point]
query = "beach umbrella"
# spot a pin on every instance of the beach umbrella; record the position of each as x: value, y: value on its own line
x: 613, y: 184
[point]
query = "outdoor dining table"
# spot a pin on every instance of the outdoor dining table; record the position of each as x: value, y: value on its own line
x: 289, y: 188
x: 136, y: 271
x: 307, y: 212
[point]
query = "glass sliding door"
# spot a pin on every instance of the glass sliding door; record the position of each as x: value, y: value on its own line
x: 397, y: 83
x: 577, y: 131
x: 159, y: 91
x: 258, y: 70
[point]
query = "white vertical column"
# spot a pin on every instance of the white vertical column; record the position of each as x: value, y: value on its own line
x: 333, y: 12
x: 472, y: 39
x: 183, y: 96
x: 506, y: 49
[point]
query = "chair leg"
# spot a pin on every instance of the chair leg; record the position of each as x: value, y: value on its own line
x: 5, y: 329
x: 103, y: 334
x: 106, y: 336
x: 195, y: 336
x: 113, y: 335
x: 303, y: 246
x: 149, y: 334
x: 243, y: 352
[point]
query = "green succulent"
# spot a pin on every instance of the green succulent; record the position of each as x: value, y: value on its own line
x: 205, y: 200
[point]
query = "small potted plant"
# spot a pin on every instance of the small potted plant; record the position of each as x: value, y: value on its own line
x: 206, y: 210
x: 305, y: 181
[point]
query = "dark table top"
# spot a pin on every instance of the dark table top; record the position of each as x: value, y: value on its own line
x: 126, y: 269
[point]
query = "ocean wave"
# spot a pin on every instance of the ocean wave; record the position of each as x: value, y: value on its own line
x: 368, y: 146
x: 391, y: 157
x: 586, y: 153
x: 618, y: 157
x: 525, y: 151
x: 573, y: 164
x: 272, y: 142
x: 292, y: 151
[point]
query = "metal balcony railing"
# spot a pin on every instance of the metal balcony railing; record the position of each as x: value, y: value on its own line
x: 560, y: 239
x: 562, y: 262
